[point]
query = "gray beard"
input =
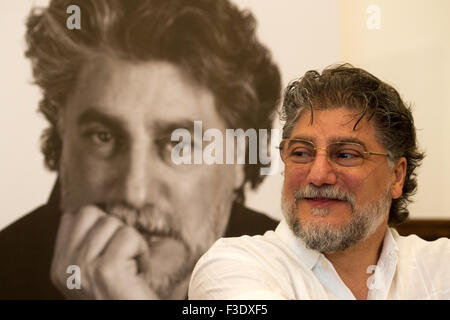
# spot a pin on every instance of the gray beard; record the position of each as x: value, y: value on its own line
x: 326, y: 238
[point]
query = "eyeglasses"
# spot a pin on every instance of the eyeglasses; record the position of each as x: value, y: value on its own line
x: 297, y: 152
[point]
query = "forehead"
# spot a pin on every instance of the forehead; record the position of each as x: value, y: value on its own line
x: 153, y: 92
x: 331, y: 125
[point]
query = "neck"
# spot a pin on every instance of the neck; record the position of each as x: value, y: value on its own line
x: 352, y: 264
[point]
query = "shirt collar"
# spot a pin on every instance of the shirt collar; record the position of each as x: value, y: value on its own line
x: 389, y: 244
x: 308, y: 256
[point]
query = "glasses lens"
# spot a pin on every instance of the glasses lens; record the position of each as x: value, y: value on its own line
x: 298, y: 152
x: 346, y: 154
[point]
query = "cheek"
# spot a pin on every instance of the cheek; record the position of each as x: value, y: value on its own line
x: 205, y: 198
x: 362, y: 186
x: 84, y: 178
x: 351, y: 182
x: 294, y: 179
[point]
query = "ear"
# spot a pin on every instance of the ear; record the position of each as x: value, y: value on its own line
x: 398, y: 178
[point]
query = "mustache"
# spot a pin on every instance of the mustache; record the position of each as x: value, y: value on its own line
x: 328, y: 191
x: 146, y: 220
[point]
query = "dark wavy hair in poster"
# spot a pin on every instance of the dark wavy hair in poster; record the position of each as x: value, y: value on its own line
x: 211, y: 40
x: 355, y: 88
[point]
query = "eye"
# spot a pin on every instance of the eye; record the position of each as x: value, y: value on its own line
x: 184, y: 147
x: 101, y: 137
x: 165, y: 146
x: 347, y: 154
x: 102, y: 140
x: 347, y: 157
x: 301, y: 153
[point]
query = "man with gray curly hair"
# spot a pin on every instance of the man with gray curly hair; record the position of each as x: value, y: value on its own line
x: 350, y: 153
x: 125, y: 221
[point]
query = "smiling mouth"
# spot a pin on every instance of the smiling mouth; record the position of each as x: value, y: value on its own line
x: 322, y: 201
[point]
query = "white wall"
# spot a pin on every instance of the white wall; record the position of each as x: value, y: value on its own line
x: 411, y: 51
x: 24, y: 183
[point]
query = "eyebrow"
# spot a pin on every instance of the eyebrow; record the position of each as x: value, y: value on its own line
x: 166, y: 128
x: 91, y: 114
x: 307, y: 138
x: 347, y: 139
x: 162, y: 127
x: 332, y: 139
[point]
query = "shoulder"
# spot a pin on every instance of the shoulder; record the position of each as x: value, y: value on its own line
x: 276, y: 250
x: 414, y: 244
x: 423, y: 265
x: 415, y: 248
x: 249, y: 267
x: 26, y: 249
x: 35, y: 229
x: 247, y: 246
x: 21, y: 231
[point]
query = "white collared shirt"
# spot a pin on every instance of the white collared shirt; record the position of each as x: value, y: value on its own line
x: 278, y: 265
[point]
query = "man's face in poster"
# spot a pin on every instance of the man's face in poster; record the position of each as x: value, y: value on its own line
x: 116, y: 136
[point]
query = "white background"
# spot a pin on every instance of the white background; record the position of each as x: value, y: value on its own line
x: 410, y: 50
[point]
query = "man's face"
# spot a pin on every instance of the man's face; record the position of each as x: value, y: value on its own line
x: 332, y: 207
x: 116, y: 132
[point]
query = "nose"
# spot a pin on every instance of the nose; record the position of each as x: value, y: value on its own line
x: 321, y: 171
x: 136, y: 175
